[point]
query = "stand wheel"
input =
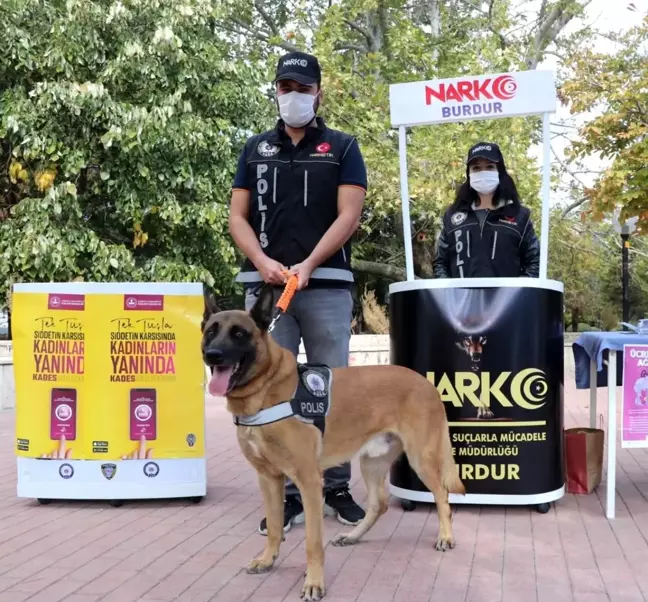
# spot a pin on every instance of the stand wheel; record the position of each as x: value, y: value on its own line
x: 44, y: 501
x: 408, y: 505
x: 116, y: 503
x: 196, y: 499
x: 543, y: 508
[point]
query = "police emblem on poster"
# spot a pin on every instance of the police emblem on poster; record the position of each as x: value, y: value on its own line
x: 267, y: 150
x: 458, y: 218
x: 315, y: 383
x: 66, y: 471
x: 191, y: 439
x: 151, y: 469
x: 109, y: 470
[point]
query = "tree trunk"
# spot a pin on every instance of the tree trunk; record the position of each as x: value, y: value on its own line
x: 382, y: 270
x: 575, y: 320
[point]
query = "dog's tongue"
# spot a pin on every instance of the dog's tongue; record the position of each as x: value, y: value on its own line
x: 219, y: 382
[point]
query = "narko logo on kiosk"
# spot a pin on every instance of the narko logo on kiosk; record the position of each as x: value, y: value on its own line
x: 479, y: 97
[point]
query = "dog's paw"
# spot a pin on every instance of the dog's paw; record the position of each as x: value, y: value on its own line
x: 444, y: 543
x: 262, y: 564
x: 343, y: 539
x: 313, y: 589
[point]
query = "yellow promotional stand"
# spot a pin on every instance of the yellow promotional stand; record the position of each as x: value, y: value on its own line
x: 109, y: 391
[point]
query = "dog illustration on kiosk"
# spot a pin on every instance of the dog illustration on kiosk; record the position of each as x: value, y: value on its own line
x: 473, y: 347
x: 375, y: 412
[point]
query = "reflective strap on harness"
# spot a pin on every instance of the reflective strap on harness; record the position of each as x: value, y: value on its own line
x: 267, y: 416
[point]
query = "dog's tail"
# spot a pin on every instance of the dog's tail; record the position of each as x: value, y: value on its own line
x: 450, y: 471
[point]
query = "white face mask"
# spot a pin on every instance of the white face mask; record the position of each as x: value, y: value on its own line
x: 484, y: 182
x: 296, y: 108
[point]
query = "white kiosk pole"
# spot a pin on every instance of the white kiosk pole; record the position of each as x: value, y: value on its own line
x: 546, y: 181
x: 407, y: 222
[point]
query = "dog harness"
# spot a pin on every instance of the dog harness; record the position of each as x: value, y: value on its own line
x: 310, y: 403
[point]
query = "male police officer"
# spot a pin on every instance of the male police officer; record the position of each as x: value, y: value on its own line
x: 296, y: 200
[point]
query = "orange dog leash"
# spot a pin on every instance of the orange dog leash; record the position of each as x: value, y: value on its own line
x: 286, y: 297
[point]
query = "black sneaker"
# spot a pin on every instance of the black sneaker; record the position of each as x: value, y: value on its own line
x: 340, y: 504
x: 293, y: 515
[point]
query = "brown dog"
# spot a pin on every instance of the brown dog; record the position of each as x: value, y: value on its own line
x: 376, y: 412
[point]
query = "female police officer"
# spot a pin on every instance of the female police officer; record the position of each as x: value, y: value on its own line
x: 486, y: 232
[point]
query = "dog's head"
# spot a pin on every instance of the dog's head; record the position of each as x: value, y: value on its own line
x: 473, y: 346
x: 234, y: 342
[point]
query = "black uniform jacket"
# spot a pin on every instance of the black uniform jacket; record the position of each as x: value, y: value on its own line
x: 294, y: 192
x: 504, y: 245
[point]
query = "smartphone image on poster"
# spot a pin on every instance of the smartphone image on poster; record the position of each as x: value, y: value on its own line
x: 63, y: 414
x: 143, y: 414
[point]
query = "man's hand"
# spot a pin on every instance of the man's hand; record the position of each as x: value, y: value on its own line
x: 303, y: 272
x: 271, y: 271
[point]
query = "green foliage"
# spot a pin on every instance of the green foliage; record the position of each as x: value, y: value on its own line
x: 575, y: 260
x: 120, y: 125
x: 615, y: 88
x: 586, y: 256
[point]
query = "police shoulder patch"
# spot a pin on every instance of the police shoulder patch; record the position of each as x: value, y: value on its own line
x: 458, y: 218
x: 267, y: 150
x: 313, y: 396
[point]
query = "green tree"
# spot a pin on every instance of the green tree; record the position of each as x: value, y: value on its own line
x: 614, y: 88
x: 120, y: 126
x: 587, y: 259
x: 578, y: 263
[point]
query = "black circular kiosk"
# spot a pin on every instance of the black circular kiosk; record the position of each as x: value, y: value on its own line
x: 494, y: 348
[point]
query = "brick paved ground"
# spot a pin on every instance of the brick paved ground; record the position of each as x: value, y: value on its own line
x: 80, y: 552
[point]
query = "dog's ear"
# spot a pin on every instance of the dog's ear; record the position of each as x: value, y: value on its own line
x: 262, y: 310
x: 210, y: 308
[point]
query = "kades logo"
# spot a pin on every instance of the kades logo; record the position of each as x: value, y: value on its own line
x: 501, y: 88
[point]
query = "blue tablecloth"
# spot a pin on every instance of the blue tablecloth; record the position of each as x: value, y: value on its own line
x: 596, y: 345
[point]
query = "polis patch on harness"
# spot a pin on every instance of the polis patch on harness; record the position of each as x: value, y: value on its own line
x: 310, y: 403
x: 312, y: 399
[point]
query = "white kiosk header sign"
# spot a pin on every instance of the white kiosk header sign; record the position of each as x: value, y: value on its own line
x: 472, y: 97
